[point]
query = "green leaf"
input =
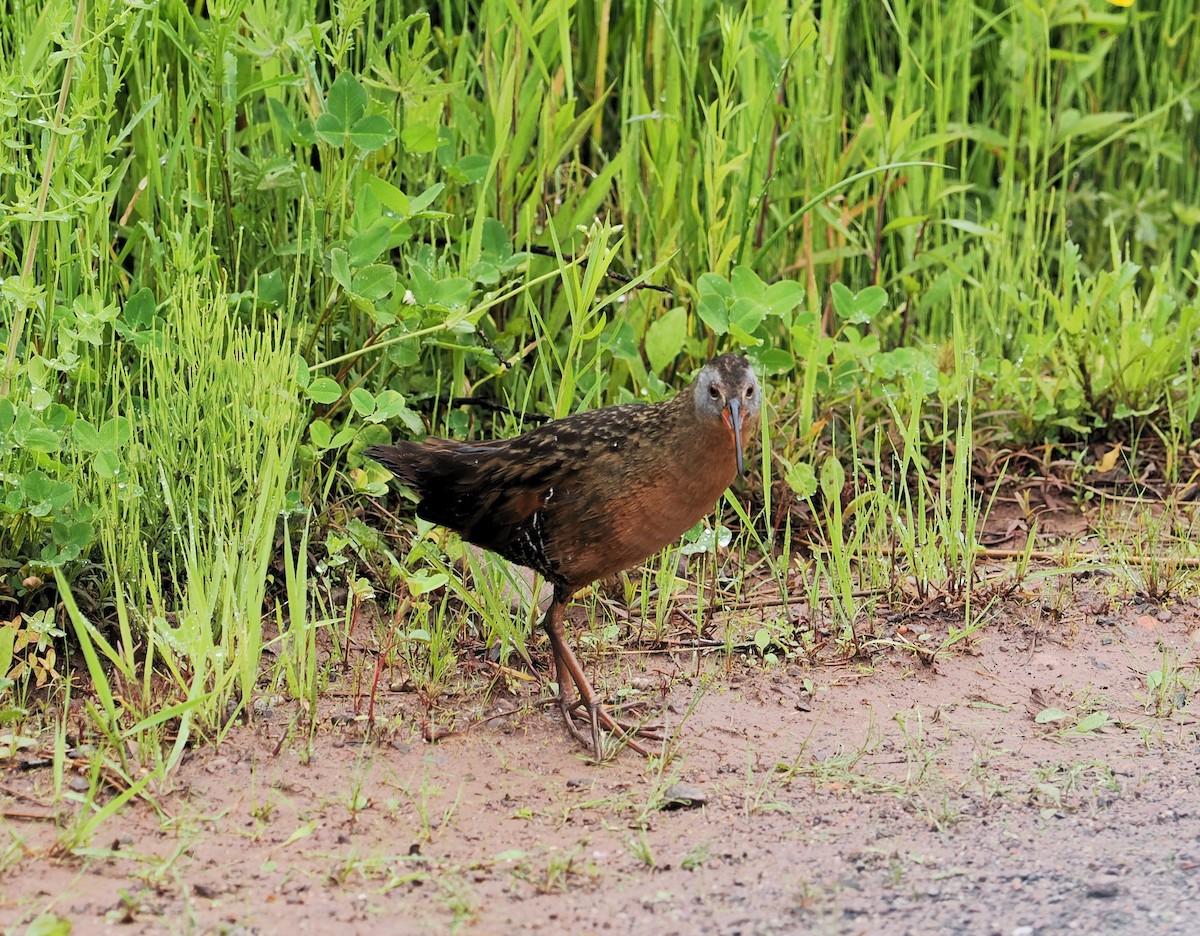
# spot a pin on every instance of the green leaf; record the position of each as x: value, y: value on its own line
x: 44, y: 494
x: 421, y: 582
x: 329, y: 129
x: 374, y: 282
x: 300, y: 371
x: 833, y: 478
x: 269, y: 288
x: 782, y: 297
x: 485, y: 272
x: 474, y: 167
x: 801, y: 479
x: 1049, y: 715
x: 320, y: 434
x: 774, y: 361
x: 394, y: 200
x: 77, y: 534
x: 49, y: 924
x: 372, y: 133
x: 347, y: 101
x: 368, y: 246
x: 746, y: 315
x: 42, y: 440
x: 87, y: 439
x: 665, y: 338
x: 420, y: 138
x: 453, y: 292
x: 746, y: 284
x: 107, y: 464
x: 7, y: 636
x: 324, y: 390
x: 858, y: 308
x: 391, y: 405
x: 495, y: 244
x: 362, y: 401
x: 139, y: 309
x: 339, y: 267
x: 116, y: 433
x: 713, y: 304
x: 427, y: 197
x: 1091, y: 723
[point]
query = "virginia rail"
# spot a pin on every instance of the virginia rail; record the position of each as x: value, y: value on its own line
x: 581, y: 498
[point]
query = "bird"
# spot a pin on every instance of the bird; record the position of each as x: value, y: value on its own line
x: 581, y: 498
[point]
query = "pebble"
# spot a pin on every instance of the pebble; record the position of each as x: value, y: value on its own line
x: 1103, y: 888
x: 683, y: 796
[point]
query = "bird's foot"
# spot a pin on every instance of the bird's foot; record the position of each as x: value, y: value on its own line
x: 584, y: 720
x: 585, y: 716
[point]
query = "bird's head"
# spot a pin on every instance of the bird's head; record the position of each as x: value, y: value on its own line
x: 727, y: 389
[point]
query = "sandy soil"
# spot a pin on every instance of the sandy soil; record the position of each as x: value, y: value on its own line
x: 897, y: 797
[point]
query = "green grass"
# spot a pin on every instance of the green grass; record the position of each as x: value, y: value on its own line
x: 239, y: 244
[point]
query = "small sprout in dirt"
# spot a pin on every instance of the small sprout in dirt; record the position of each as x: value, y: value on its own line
x: 33, y: 637
x: 1054, y: 785
x: 639, y: 846
x: 696, y: 858
x: 759, y: 797
x: 126, y: 910
x: 356, y: 802
x: 263, y: 811
x: 459, y: 900
x: 1167, y: 687
x: 559, y: 868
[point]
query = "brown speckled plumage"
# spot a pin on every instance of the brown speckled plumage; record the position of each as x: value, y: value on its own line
x: 590, y: 495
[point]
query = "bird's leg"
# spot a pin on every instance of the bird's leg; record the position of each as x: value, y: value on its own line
x: 566, y: 664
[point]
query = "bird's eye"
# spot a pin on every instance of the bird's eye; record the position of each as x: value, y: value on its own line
x: 750, y: 392
x: 714, y: 391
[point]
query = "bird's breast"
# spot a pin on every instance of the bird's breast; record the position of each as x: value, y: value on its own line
x: 636, y: 497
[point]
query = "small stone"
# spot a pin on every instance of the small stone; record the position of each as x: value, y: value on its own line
x: 1103, y: 889
x: 683, y: 796
x: 1164, y: 615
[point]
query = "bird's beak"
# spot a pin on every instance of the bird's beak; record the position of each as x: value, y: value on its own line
x: 733, y: 419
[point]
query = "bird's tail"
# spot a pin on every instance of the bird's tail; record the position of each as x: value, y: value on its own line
x: 411, y: 462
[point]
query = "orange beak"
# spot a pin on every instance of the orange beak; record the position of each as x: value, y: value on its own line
x: 732, y: 414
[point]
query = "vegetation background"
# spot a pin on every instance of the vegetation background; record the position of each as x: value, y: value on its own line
x: 241, y: 241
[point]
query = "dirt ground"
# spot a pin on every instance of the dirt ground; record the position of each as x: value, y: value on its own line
x: 898, y: 796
